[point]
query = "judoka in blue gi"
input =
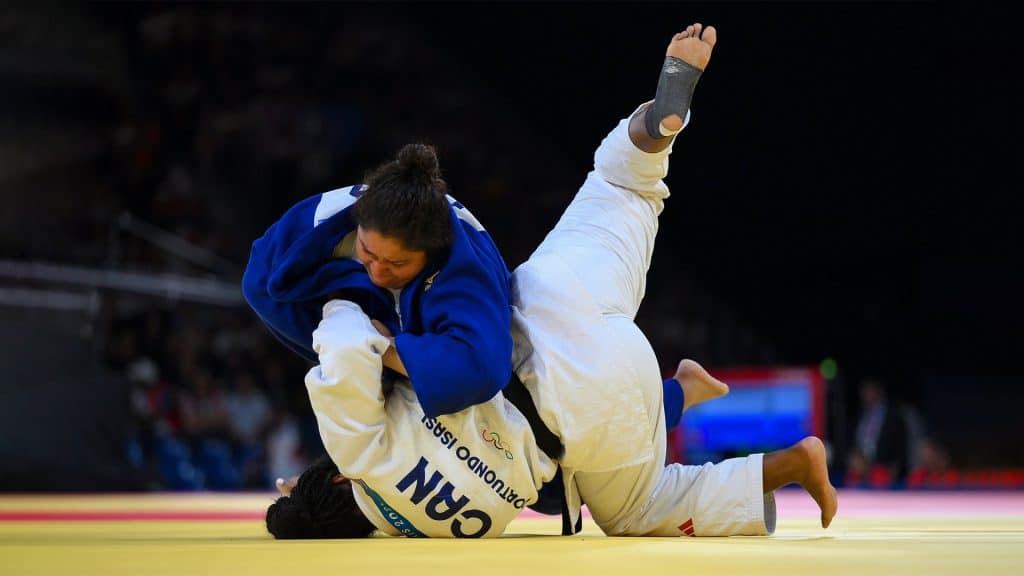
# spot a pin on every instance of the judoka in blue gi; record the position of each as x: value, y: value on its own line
x: 413, y: 259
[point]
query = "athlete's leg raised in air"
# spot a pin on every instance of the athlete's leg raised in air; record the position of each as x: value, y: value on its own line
x: 610, y: 230
x: 731, y: 497
x: 693, y: 46
x: 606, y: 235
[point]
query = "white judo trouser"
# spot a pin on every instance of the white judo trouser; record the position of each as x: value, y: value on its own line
x: 594, y: 375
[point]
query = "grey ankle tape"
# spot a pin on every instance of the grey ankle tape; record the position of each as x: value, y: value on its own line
x: 675, y: 89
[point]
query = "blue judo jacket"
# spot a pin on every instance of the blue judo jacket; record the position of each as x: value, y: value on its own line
x: 454, y: 338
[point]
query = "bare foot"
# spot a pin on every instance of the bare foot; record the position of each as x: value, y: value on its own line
x: 816, y: 481
x: 698, y: 386
x: 692, y: 46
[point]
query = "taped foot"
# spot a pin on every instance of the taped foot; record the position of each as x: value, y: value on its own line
x: 685, y: 60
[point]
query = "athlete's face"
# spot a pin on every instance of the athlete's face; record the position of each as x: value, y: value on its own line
x: 389, y: 264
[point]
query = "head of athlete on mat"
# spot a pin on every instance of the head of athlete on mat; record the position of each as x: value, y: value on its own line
x: 403, y: 217
x: 317, y: 504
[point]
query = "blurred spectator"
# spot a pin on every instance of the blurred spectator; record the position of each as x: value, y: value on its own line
x: 249, y: 417
x: 933, y: 468
x: 286, y: 454
x: 203, y: 406
x: 885, y: 437
x: 206, y: 425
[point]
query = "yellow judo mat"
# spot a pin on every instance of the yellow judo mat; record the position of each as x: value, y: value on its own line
x: 874, y: 533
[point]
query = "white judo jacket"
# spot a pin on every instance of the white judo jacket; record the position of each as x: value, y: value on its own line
x: 460, y: 475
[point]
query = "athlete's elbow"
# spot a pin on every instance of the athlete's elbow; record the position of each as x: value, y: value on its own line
x: 489, y: 376
x: 485, y: 388
x: 497, y: 378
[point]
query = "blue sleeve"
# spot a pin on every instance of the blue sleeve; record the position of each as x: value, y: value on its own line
x: 288, y: 322
x: 673, y: 401
x: 463, y: 354
x: 291, y: 271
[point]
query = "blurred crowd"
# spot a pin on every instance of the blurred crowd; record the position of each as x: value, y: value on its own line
x: 215, y: 403
x: 226, y: 120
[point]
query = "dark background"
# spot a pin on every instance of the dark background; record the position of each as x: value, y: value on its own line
x: 848, y: 187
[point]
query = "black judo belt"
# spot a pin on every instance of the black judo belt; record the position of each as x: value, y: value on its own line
x: 552, y: 494
x: 547, y: 441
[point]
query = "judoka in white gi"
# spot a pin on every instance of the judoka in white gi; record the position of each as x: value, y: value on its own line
x: 589, y: 370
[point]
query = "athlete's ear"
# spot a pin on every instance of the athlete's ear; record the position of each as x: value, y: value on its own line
x: 338, y: 479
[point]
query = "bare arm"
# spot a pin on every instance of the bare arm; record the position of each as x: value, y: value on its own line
x: 391, y: 359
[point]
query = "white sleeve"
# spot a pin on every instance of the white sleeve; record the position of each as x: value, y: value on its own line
x: 345, y: 388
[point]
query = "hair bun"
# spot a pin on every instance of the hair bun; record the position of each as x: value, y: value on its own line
x: 418, y: 160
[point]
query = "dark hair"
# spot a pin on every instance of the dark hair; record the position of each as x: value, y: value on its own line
x: 318, y: 508
x: 405, y: 199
